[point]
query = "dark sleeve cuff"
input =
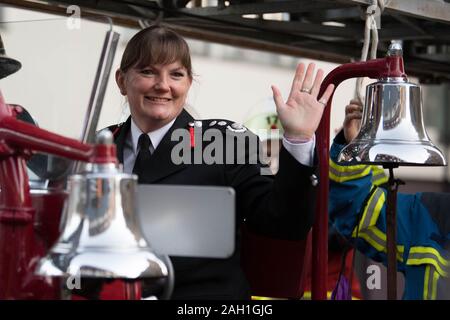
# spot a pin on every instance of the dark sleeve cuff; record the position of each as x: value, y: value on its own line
x: 339, y: 143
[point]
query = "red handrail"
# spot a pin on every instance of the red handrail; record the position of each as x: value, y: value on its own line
x: 391, y: 66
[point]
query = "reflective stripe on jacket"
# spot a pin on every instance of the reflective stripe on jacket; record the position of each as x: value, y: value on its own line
x: 423, y: 235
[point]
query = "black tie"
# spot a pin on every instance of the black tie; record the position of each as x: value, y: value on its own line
x: 143, y: 158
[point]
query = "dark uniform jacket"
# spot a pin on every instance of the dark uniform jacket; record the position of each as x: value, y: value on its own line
x: 280, y: 206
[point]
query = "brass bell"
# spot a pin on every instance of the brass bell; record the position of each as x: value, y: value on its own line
x: 101, y: 237
x: 392, y: 129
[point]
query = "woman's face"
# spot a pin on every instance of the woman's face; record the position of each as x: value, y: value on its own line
x: 156, y: 94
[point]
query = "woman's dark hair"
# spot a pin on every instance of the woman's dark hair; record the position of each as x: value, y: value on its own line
x: 156, y: 45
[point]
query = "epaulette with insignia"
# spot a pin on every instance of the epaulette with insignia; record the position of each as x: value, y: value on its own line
x: 224, y: 124
x: 115, y: 129
x: 221, y: 124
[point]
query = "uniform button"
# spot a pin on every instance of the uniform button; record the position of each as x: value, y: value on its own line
x: 237, y: 126
x: 314, y: 180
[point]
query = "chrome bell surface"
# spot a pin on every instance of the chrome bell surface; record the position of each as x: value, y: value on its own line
x: 392, y: 128
x: 101, y: 235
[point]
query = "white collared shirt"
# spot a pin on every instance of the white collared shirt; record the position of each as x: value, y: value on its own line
x: 131, y: 147
x: 302, y: 152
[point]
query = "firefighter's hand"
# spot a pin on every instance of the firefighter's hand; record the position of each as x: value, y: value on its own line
x: 300, y: 115
x: 352, y: 121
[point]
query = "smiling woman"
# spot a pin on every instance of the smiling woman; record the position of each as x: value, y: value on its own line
x: 155, y: 75
x: 156, y: 93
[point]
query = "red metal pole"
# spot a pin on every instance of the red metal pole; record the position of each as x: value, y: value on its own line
x: 378, y: 68
x: 16, y: 229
